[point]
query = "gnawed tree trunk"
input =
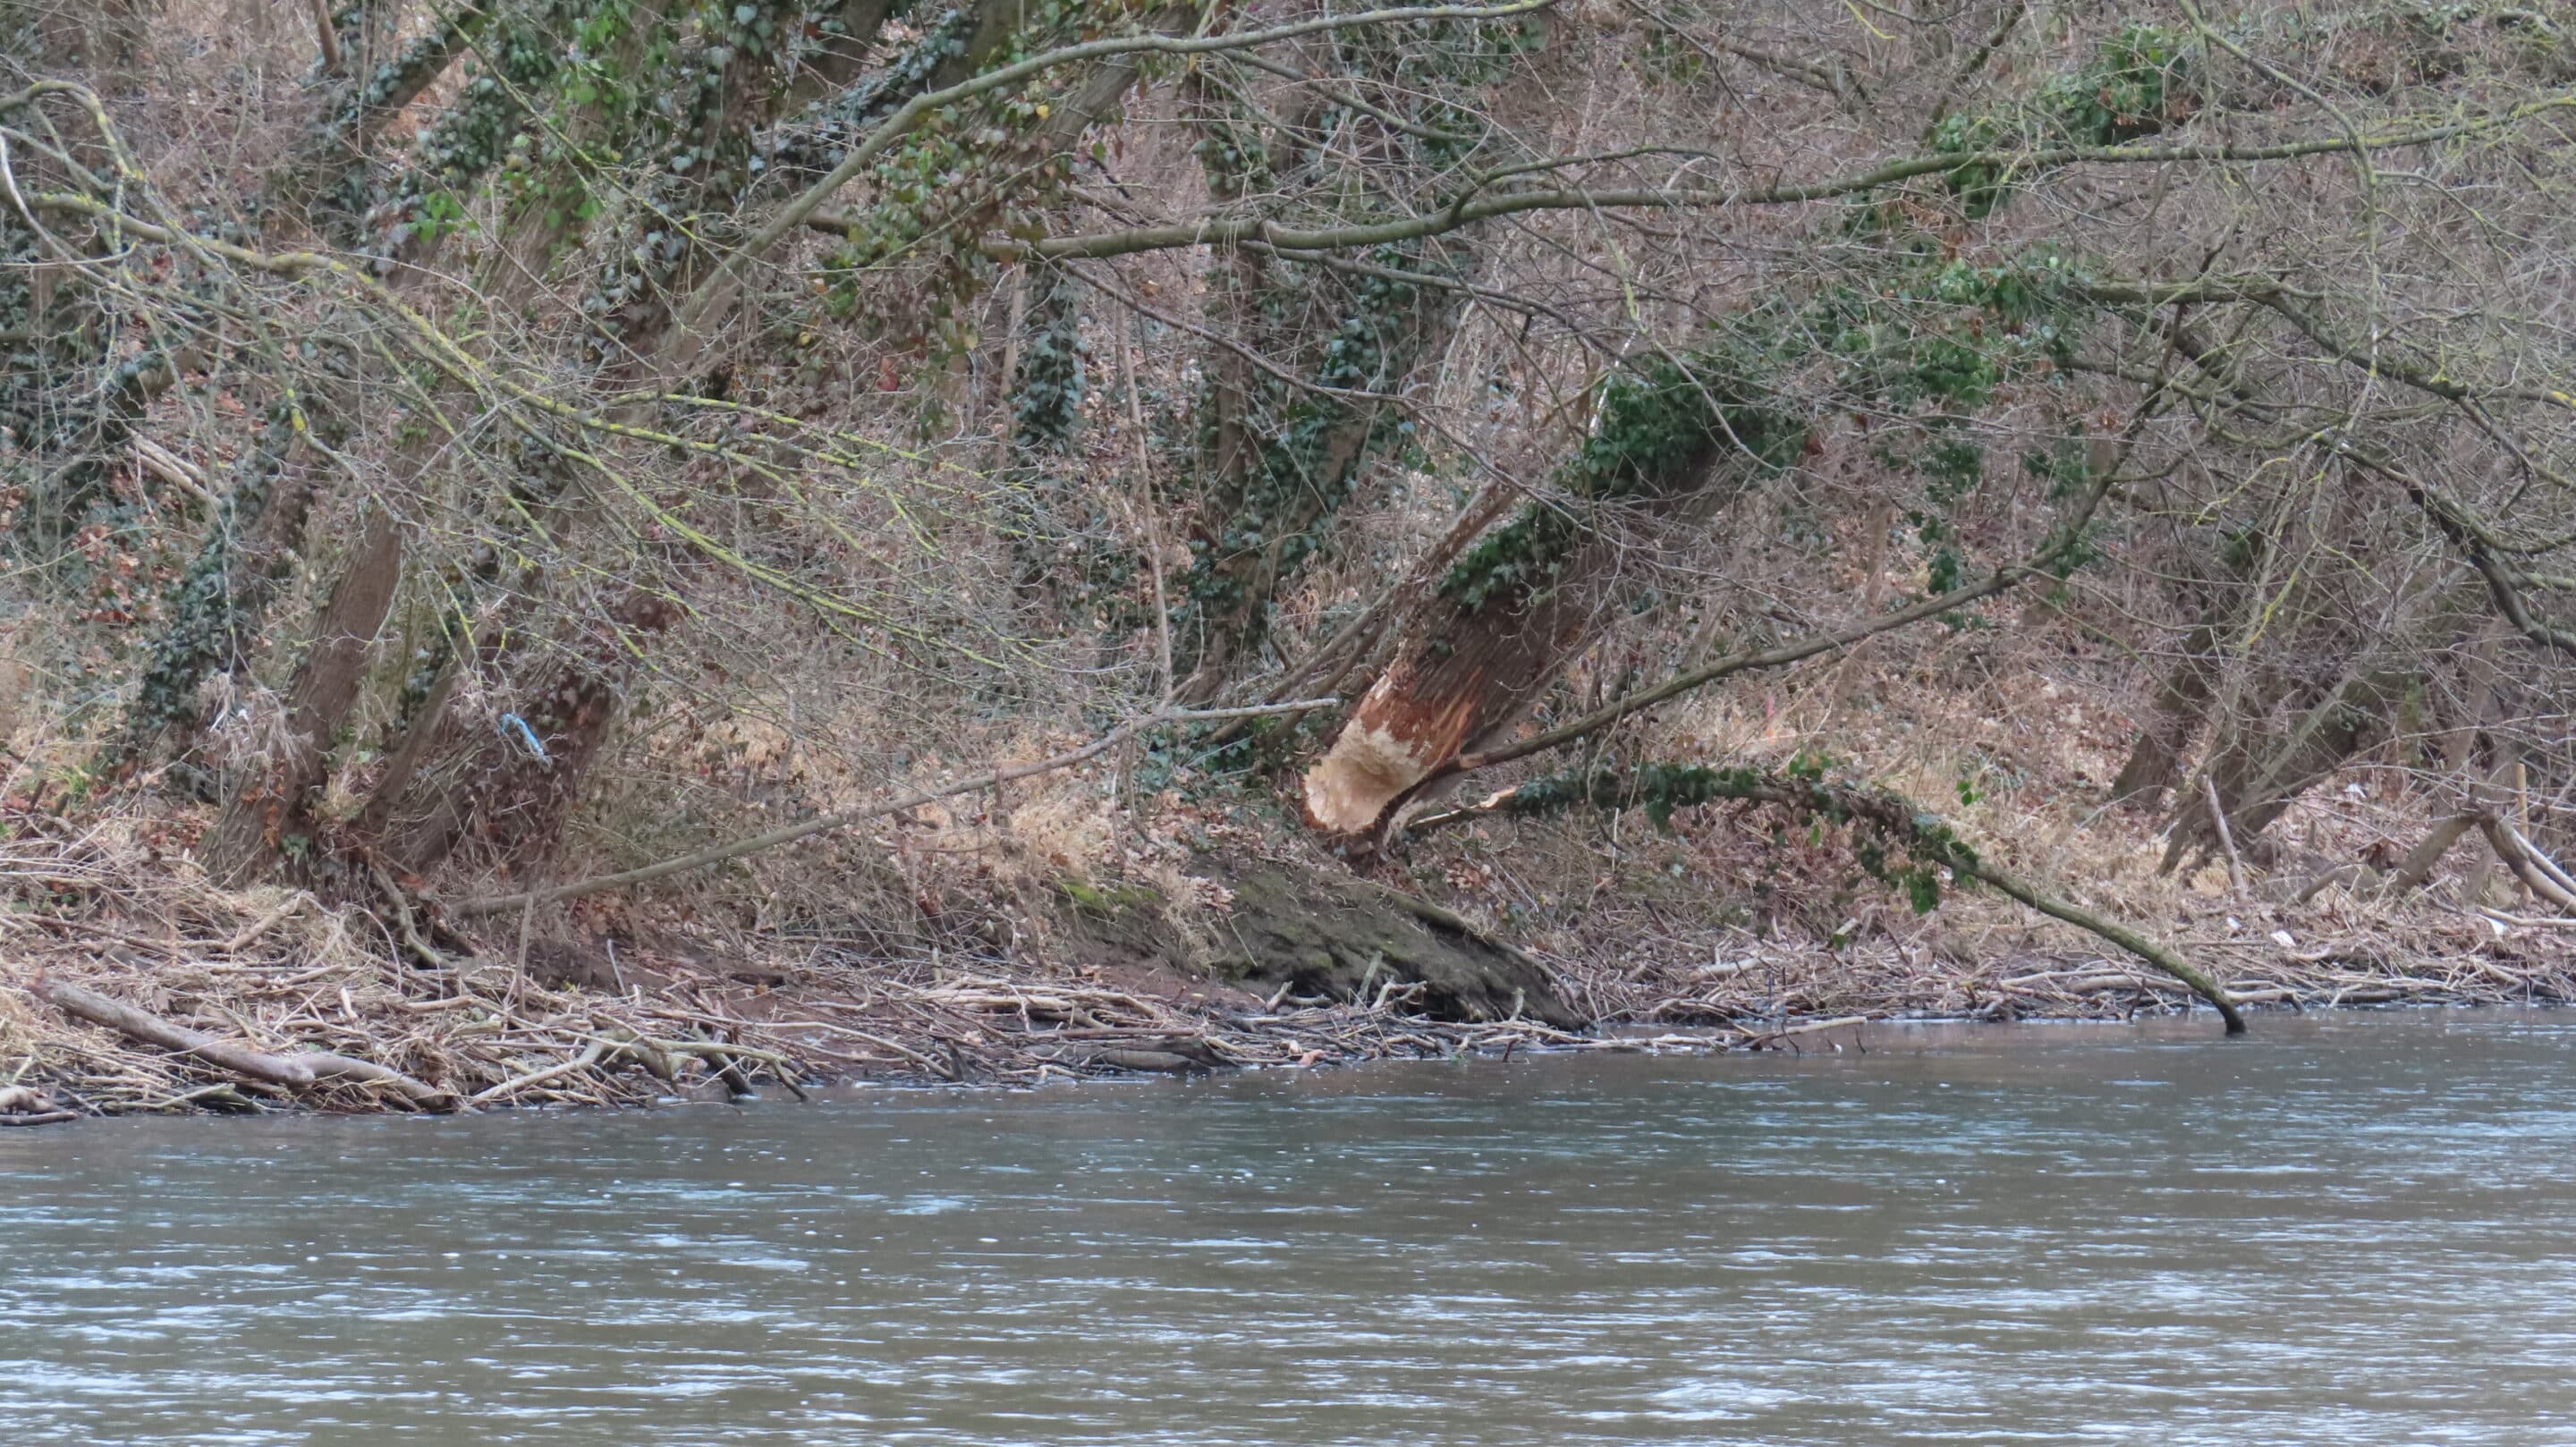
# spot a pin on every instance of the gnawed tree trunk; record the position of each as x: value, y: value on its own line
x: 2418, y: 865
x: 1685, y: 438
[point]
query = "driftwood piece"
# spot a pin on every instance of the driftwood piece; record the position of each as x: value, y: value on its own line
x: 2539, y: 858
x: 301, y: 1071
x: 2350, y: 876
x: 737, y: 1083
x: 2528, y: 864
x: 329, y: 1068
x: 2226, y: 835
x: 586, y: 1059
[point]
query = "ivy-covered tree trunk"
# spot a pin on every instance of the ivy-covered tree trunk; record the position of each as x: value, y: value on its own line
x: 1280, y: 459
x: 270, y: 803
x: 216, y: 609
x: 509, y: 788
x: 1048, y: 379
x: 1274, y: 499
x: 1685, y: 438
x: 333, y: 177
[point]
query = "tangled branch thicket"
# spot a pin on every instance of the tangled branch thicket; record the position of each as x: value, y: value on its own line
x: 551, y: 540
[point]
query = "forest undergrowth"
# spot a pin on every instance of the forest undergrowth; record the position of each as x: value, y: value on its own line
x: 566, y: 551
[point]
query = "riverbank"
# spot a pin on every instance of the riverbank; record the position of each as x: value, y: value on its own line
x: 133, y: 985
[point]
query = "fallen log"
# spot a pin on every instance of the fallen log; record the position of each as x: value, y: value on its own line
x: 42, y: 1117
x: 302, y: 1071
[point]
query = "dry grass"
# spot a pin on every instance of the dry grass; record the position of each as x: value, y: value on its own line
x: 1714, y: 924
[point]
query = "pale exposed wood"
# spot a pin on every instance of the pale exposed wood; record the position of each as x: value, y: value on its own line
x: 2226, y: 836
x: 298, y: 1072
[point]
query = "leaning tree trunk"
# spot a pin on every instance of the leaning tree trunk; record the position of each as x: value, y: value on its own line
x: 511, y: 787
x: 2261, y: 774
x: 269, y: 806
x: 269, y: 810
x: 2181, y: 705
x: 1686, y: 438
x: 220, y: 604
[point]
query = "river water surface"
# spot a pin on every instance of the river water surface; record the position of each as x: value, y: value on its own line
x: 2347, y: 1231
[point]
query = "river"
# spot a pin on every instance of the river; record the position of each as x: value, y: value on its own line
x: 2347, y: 1230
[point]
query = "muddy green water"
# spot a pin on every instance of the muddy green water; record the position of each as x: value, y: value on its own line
x: 2348, y: 1231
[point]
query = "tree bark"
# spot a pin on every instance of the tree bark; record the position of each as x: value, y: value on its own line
x: 2155, y: 761
x: 271, y: 806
